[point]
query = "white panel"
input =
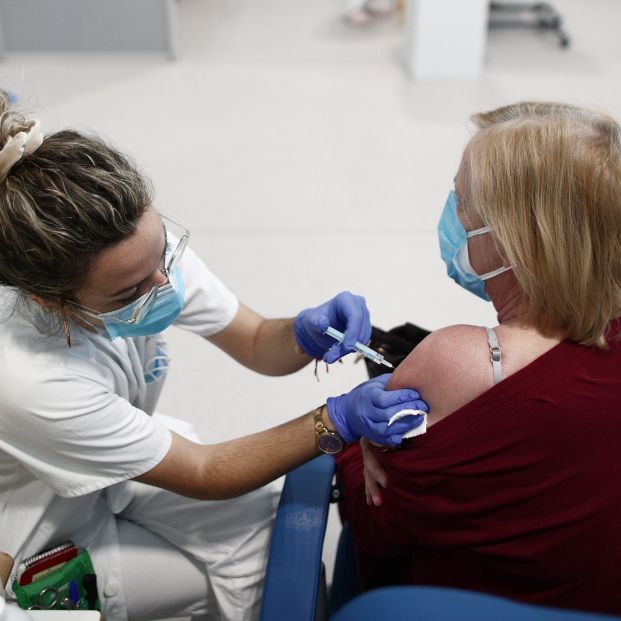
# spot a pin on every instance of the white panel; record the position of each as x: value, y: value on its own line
x: 88, y: 25
x: 446, y: 38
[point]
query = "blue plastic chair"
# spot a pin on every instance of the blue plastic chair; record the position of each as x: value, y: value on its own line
x: 295, y: 586
x: 441, y: 604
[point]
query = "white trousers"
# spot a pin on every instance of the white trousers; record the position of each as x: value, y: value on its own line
x: 204, y: 559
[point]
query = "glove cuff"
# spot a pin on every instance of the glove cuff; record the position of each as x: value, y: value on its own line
x: 306, y: 343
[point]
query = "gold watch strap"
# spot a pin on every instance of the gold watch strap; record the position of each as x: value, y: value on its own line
x: 318, y: 420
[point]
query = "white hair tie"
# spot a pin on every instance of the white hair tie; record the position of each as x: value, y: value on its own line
x: 16, y: 147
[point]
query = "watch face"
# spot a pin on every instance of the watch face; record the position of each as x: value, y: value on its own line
x: 329, y: 443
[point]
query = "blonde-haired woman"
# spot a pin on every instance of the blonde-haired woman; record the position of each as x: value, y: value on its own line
x: 513, y: 490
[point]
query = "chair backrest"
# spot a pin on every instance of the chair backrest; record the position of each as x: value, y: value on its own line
x: 442, y: 604
x: 293, y: 578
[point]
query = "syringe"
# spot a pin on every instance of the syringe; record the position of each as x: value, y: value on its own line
x: 367, y: 352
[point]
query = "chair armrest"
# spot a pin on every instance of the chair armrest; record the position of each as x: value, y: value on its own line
x: 294, y: 567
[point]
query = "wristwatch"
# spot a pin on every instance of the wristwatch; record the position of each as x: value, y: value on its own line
x: 327, y: 441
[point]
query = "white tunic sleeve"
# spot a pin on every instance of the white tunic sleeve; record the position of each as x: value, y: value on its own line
x: 74, y: 434
x: 209, y: 306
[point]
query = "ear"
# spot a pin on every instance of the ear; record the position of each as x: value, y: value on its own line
x: 53, y: 305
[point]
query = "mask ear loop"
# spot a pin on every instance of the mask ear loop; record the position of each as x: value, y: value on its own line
x: 483, y: 229
x: 492, y: 273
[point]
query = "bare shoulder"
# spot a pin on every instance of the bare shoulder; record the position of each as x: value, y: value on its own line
x: 449, y: 368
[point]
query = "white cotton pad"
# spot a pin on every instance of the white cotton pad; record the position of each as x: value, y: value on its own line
x: 417, y: 431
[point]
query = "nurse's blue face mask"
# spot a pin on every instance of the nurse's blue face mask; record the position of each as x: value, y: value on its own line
x: 154, y: 311
x: 164, y: 309
x: 454, y: 250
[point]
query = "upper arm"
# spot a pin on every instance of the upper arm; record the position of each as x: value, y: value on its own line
x: 238, y: 339
x: 449, y: 368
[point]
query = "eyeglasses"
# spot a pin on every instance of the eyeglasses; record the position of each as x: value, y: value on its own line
x: 144, y: 303
x: 139, y: 308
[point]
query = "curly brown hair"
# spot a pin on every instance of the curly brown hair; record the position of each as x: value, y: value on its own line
x: 62, y: 205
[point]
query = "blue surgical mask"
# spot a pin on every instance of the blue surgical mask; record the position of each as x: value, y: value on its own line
x: 454, y: 250
x: 166, y: 307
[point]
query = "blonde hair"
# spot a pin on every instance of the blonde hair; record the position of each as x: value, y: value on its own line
x: 62, y: 205
x: 547, y: 178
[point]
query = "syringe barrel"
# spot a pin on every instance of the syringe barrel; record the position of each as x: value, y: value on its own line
x: 368, y: 352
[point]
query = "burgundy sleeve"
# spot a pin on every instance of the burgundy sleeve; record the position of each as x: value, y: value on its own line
x: 438, y: 485
x: 378, y: 530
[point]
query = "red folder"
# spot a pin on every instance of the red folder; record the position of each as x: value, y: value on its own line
x: 42, y: 563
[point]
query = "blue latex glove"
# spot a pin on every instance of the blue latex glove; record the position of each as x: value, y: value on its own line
x: 347, y: 313
x: 366, y: 410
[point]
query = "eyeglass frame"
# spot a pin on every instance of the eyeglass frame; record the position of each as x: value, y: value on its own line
x: 146, y: 300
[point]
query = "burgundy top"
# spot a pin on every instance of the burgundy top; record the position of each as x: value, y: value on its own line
x: 517, y: 493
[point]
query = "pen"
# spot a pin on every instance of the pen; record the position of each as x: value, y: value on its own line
x: 367, y: 352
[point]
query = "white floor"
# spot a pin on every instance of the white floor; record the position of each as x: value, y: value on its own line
x: 305, y: 162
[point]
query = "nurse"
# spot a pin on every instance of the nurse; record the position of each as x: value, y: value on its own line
x: 90, y: 275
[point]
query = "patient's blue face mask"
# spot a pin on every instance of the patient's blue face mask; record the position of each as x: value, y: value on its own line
x: 454, y: 250
x: 164, y: 310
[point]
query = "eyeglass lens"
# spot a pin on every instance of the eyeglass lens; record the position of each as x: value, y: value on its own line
x: 176, y: 255
x: 143, y: 308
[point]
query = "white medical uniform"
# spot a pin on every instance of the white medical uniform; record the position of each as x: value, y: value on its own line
x: 76, y: 425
